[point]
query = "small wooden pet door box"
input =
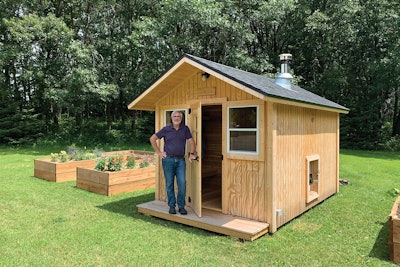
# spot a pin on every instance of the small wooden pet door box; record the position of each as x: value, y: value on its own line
x: 313, y: 179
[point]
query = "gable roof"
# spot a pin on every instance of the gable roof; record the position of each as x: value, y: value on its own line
x: 251, y: 82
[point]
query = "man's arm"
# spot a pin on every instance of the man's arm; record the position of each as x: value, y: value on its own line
x: 153, y: 142
x: 192, y: 151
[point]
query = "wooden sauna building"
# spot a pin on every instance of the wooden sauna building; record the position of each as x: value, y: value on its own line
x: 267, y: 152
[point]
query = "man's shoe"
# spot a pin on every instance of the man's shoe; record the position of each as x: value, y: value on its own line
x: 172, y: 210
x: 182, y: 211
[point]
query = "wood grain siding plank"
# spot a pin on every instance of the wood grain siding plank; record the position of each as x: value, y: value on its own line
x: 303, y: 132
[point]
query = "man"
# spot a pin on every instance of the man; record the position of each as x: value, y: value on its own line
x: 173, y: 158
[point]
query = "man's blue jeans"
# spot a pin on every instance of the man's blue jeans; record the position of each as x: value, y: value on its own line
x: 175, y: 167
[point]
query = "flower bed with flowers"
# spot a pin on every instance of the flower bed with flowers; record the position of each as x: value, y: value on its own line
x: 74, y: 154
x: 61, y: 167
x: 119, y: 173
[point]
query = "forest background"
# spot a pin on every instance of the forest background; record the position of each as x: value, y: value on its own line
x: 70, y: 68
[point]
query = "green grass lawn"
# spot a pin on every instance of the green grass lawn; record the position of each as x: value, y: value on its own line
x: 55, y: 224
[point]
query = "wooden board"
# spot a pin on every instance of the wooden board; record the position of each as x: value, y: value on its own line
x: 211, y: 220
x: 112, y: 183
x: 394, y: 233
x: 59, y: 171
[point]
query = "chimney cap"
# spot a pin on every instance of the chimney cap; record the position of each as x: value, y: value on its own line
x: 284, y: 78
x: 285, y: 57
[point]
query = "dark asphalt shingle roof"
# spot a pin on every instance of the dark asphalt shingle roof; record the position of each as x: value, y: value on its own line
x: 265, y: 85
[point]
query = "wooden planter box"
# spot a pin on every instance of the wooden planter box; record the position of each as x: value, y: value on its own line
x: 112, y: 183
x: 59, y: 171
x: 394, y: 232
x: 66, y: 171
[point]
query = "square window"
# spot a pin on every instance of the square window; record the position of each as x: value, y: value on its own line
x: 243, y: 129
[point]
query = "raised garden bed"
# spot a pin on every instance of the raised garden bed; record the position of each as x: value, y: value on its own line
x: 116, y: 182
x: 394, y: 232
x: 59, y: 171
x: 112, y: 183
x: 45, y: 169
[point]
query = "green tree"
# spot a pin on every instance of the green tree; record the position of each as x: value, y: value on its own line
x: 38, y: 58
x: 209, y: 29
x: 83, y: 61
x: 343, y: 52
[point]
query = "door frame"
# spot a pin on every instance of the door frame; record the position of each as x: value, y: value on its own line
x: 200, y: 103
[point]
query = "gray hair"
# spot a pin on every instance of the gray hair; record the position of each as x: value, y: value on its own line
x: 177, y: 111
x: 182, y: 116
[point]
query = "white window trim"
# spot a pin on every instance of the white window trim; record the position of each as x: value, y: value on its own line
x: 229, y: 129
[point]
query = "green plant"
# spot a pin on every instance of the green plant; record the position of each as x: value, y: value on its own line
x: 131, y: 163
x: 74, y: 154
x: 59, y: 157
x: 101, y: 164
x: 119, y: 162
x: 393, y: 144
x: 144, y: 164
x: 83, y: 154
x: 53, y: 157
x: 115, y: 163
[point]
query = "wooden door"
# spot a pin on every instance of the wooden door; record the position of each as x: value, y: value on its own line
x: 195, y: 166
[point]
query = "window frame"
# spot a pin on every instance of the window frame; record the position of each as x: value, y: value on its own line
x: 231, y: 129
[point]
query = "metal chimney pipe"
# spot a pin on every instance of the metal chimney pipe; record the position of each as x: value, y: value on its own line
x: 284, y: 77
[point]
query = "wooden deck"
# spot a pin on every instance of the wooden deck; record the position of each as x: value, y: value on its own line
x: 213, y: 221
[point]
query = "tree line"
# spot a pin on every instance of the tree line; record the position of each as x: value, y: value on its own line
x: 69, y: 68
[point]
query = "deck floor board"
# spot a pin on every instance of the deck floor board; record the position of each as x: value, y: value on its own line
x: 211, y: 220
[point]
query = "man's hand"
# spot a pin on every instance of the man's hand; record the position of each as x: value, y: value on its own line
x: 192, y: 157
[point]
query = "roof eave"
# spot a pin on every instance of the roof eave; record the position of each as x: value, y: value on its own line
x: 297, y: 103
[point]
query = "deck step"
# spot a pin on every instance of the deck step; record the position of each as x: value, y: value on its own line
x: 211, y: 220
